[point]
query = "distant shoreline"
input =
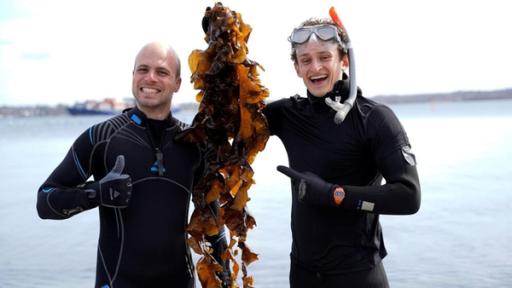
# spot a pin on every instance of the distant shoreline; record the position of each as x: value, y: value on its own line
x: 62, y: 110
x: 458, y: 96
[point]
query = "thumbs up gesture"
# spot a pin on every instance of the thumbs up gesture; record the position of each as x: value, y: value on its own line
x: 113, y: 190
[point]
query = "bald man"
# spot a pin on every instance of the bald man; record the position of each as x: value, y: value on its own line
x: 142, y: 183
x: 156, y: 77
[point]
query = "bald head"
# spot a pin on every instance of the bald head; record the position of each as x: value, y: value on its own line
x: 156, y: 77
x: 165, y: 51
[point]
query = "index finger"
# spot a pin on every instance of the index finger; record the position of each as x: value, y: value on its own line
x: 289, y: 172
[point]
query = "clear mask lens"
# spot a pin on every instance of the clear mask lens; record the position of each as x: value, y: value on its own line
x: 323, y: 32
x: 326, y: 32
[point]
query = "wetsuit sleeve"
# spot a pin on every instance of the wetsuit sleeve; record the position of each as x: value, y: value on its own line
x: 272, y: 113
x: 395, y: 161
x: 219, y: 242
x: 219, y: 245
x: 61, y: 196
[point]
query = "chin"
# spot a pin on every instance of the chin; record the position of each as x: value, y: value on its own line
x: 148, y: 104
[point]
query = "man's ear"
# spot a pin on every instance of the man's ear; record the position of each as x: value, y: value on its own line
x: 344, y: 61
x: 178, y: 84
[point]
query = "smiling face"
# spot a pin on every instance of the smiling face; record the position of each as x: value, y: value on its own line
x: 319, y: 65
x: 155, y: 79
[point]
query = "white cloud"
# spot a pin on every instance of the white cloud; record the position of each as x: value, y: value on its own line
x: 65, y: 51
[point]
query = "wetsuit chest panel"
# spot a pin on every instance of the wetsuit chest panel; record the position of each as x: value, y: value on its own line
x: 339, y: 153
x: 150, y: 232
x: 179, y: 159
x: 139, y: 155
x: 326, y: 238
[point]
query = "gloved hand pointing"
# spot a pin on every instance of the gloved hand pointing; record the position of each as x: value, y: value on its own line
x: 313, y: 189
x: 113, y: 190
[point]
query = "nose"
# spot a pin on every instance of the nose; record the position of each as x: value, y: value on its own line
x: 316, y: 65
x: 151, y: 76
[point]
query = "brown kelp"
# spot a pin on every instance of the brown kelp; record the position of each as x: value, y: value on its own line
x: 230, y: 126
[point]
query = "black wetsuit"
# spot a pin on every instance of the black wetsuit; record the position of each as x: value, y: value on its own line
x: 142, y: 245
x: 330, y: 243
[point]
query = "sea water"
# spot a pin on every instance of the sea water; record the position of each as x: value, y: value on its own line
x: 460, y: 237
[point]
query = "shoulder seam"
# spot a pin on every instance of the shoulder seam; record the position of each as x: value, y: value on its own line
x: 104, y: 130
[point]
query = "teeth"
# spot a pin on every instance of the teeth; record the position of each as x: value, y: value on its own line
x: 318, y: 77
x: 149, y: 90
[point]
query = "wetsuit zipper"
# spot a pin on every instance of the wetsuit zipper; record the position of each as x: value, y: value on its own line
x: 159, y: 155
x: 159, y: 160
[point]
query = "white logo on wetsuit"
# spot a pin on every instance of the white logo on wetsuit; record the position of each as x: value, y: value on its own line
x: 302, y: 189
x: 408, y: 155
x: 113, y: 193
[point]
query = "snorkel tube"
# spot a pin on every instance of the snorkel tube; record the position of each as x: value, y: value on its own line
x: 342, y: 109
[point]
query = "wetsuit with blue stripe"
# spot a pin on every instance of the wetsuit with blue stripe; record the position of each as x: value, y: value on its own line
x: 343, y: 246
x: 142, y: 245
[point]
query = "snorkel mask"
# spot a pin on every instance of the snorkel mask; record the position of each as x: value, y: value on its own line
x: 327, y: 32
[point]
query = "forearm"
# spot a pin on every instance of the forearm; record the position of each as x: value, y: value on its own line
x: 61, y: 203
x: 401, y: 195
x: 218, y: 242
x: 392, y: 199
x: 60, y: 196
x: 219, y: 246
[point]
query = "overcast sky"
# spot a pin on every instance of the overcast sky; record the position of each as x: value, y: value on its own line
x: 62, y: 51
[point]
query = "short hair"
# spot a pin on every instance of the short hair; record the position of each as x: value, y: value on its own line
x: 342, y: 47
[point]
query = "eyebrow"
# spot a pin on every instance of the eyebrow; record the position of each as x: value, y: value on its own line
x: 162, y: 69
x: 141, y: 66
x: 159, y: 68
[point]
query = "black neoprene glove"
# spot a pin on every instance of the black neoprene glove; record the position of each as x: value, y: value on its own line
x: 113, y: 190
x: 313, y: 189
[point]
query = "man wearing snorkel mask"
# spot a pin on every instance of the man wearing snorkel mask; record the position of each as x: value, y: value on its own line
x: 340, y: 147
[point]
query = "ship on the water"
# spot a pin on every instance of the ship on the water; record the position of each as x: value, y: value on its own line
x: 111, y: 106
x: 108, y: 106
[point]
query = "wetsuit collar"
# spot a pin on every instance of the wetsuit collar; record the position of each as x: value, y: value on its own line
x: 138, y: 117
x: 340, y: 89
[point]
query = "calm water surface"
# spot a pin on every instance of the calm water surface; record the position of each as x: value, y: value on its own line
x: 460, y: 238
